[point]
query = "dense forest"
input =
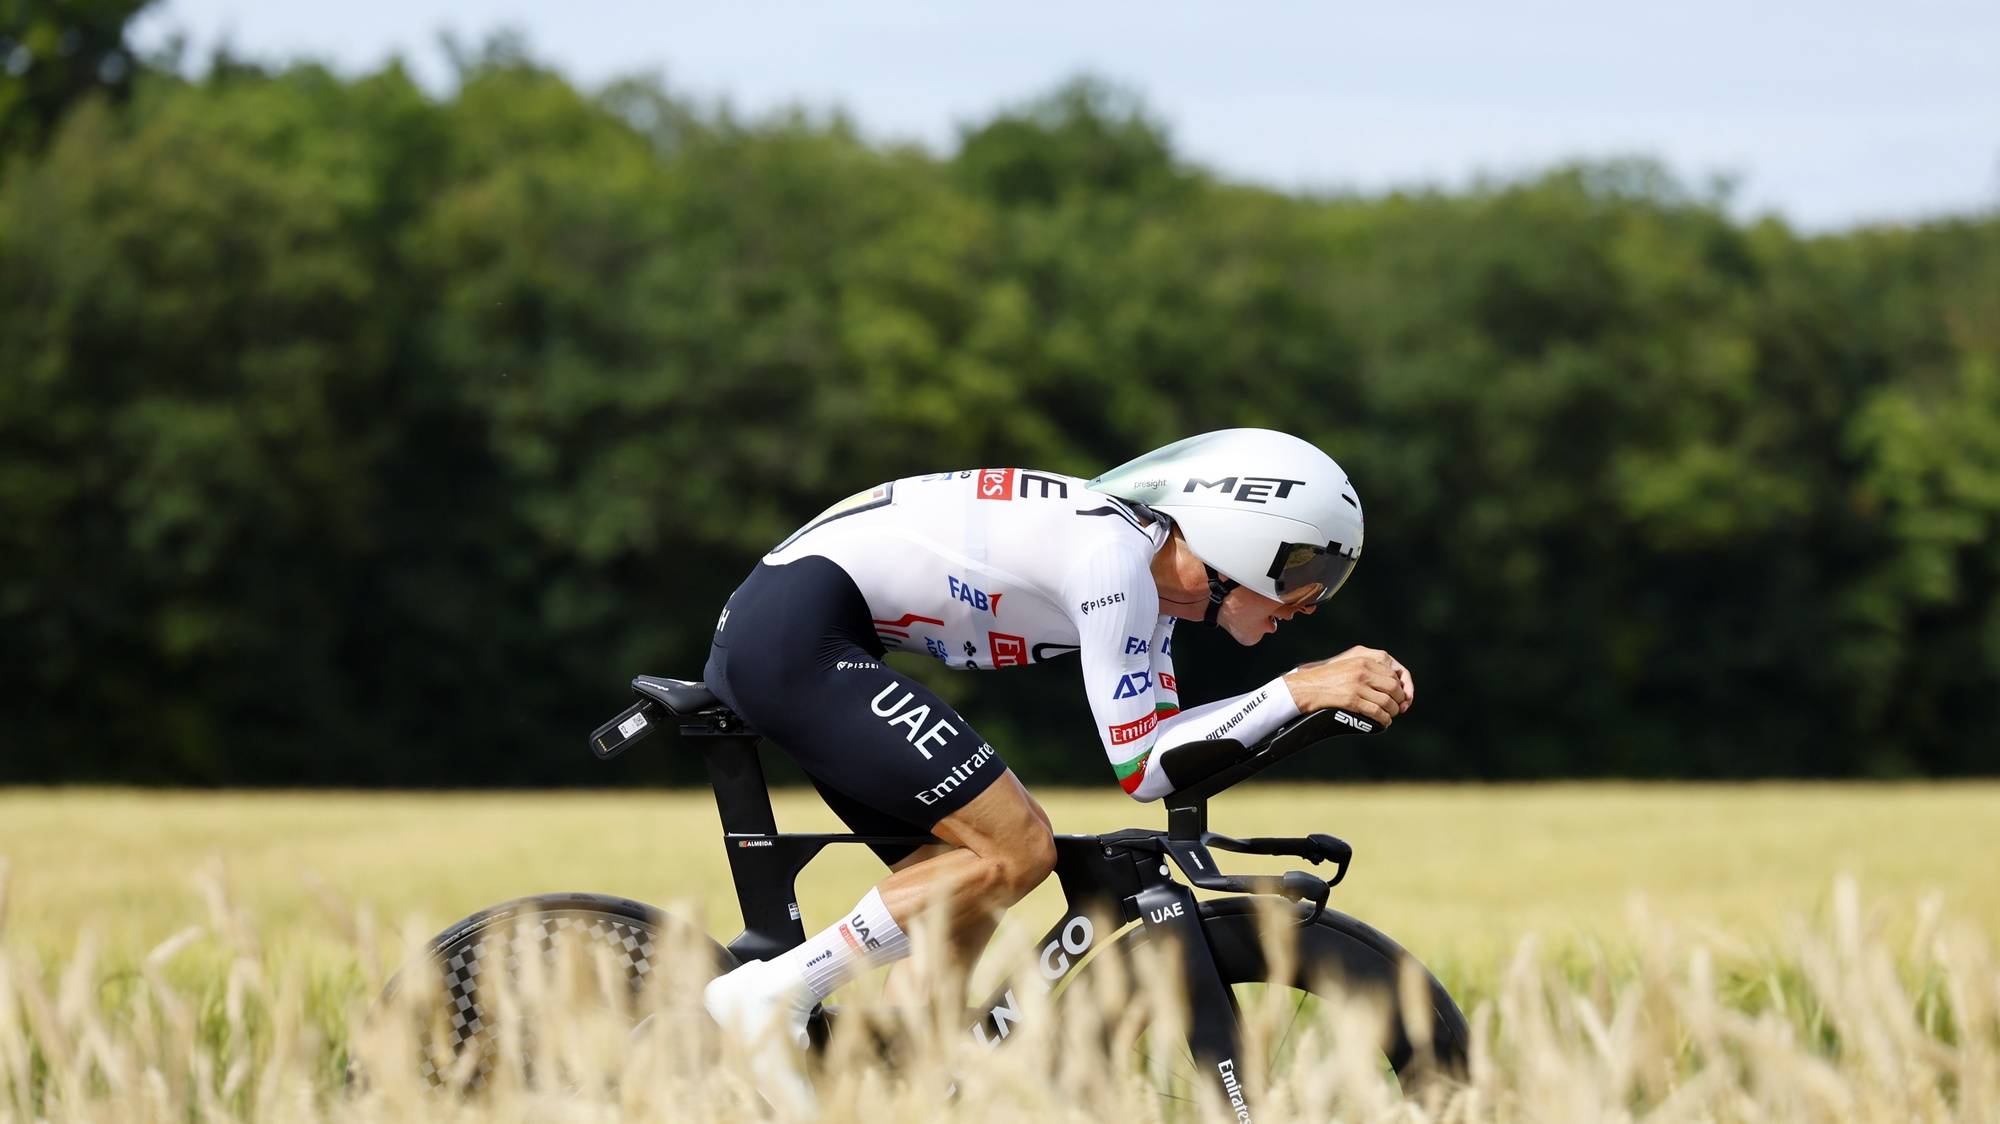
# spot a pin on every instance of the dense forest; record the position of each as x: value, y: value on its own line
x: 356, y: 433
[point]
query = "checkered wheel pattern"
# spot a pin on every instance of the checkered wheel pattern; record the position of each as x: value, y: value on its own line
x: 501, y: 944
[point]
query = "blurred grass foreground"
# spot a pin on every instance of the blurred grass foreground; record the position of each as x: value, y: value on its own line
x: 141, y: 981
x: 1839, y: 1025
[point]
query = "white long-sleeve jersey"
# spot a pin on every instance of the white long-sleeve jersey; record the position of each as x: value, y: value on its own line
x: 1004, y: 567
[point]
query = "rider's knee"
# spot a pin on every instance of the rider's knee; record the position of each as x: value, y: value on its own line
x: 1028, y: 862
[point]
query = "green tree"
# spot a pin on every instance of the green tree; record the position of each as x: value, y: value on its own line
x: 53, y: 54
x: 353, y: 434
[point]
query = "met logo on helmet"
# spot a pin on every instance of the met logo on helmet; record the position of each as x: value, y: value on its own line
x: 1250, y: 489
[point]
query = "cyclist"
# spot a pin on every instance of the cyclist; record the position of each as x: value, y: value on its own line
x: 996, y: 568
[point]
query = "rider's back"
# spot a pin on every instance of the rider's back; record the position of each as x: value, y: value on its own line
x: 984, y: 568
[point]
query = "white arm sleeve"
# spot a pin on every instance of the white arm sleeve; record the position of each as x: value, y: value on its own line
x: 1127, y: 657
x: 1110, y: 597
x: 1249, y: 719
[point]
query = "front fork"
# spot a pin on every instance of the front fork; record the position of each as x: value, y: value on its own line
x: 1104, y: 882
x: 1170, y: 914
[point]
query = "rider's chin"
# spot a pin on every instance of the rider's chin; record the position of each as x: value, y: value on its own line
x: 1247, y: 638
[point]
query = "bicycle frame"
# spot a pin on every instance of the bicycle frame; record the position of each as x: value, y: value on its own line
x: 1118, y: 879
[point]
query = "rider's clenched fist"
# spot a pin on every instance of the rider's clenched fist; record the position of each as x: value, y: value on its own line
x: 1368, y: 681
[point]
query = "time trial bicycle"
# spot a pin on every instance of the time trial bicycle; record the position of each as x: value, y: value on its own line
x: 1121, y: 893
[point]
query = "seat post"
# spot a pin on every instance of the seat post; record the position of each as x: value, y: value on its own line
x: 742, y: 795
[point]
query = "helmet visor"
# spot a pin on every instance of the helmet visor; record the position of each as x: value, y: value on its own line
x: 1307, y: 574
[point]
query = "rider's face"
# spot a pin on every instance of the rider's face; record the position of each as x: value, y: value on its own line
x: 1249, y: 616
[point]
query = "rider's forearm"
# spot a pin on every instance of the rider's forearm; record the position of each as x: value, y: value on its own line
x: 1248, y: 718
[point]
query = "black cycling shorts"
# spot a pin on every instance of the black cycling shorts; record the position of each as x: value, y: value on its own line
x: 796, y: 655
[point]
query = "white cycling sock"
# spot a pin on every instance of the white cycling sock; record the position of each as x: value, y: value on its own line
x: 867, y: 938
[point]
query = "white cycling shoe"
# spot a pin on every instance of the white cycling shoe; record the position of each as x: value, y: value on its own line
x: 764, y: 1008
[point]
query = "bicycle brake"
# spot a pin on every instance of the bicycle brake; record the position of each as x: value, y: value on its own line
x: 1300, y: 886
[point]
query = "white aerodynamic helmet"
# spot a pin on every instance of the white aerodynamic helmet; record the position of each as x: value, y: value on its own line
x: 1263, y: 509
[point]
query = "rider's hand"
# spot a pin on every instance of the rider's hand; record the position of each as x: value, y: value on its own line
x: 1367, y: 681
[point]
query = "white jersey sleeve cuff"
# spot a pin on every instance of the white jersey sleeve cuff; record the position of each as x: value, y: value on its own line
x: 1247, y: 718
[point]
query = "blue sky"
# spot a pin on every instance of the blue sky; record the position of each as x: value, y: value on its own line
x: 1830, y: 113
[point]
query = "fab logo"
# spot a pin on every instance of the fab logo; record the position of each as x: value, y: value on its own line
x: 996, y: 484
x: 977, y: 598
x: 1134, y: 646
x: 1008, y: 651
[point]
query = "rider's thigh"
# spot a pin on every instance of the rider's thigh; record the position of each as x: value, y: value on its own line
x: 1005, y: 826
x: 1041, y: 813
x: 922, y: 854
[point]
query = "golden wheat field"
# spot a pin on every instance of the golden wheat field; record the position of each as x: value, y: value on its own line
x: 1764, y: 952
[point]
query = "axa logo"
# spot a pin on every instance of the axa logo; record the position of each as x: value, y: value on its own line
x: 1247, y: 489
x: 722, y: 621
x: 901, y: 713
x: 979, y: 599
x: 1345, y: 718
x: 1133, y: 685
